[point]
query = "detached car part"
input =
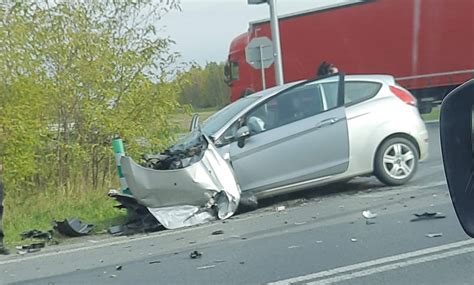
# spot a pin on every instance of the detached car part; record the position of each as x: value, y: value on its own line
x: 73, y: 227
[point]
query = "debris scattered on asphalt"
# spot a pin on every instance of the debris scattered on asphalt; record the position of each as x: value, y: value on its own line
x: 139, y: 219
x: 368, y: 214
x: 428, y: 216
x: 37, y: 234
x: 205, y: 267
x: 118, y: 267
x: 195, y: 254
x: 154, y: 262
x: 218, y: 232
x: 30, y: 248
x: 434, y: 235
x: 116, y: 230
x: 353, y: 239
x: 4, y: 251
x: 248, y: 202
x: 293, y: 246
x: 280, y: 208
x: 73, y: 227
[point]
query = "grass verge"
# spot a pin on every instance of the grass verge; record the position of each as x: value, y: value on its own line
x: 28, y: 211
x: 38, y: 210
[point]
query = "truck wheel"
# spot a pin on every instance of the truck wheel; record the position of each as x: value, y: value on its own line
x: 396, y: 161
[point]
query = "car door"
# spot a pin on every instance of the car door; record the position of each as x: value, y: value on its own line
x: 295, y: 136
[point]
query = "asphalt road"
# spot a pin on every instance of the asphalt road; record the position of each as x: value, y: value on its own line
x: 319, y: 238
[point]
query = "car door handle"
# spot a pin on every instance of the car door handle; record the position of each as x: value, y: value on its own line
x: 327, y: 122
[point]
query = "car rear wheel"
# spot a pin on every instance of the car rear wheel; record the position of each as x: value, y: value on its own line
x: 396, y: 161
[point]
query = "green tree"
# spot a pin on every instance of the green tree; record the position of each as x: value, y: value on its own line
x: 73, y: 75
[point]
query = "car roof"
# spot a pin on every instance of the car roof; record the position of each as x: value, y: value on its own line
x: 273, y: 90
x: 382, y: 78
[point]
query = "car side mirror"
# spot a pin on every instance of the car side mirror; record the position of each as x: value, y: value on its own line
x: 457, y: 146
x: 241, y: 135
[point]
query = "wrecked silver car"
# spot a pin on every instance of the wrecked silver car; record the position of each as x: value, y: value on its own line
x: 188, y: 184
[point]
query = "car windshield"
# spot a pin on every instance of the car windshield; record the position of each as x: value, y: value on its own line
x: 222, y: 117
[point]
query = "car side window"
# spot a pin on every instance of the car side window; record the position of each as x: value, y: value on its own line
x: 295, y: 104
x: 354, y: 92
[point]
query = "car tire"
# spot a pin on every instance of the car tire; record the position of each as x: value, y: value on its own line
x: 396, y: 161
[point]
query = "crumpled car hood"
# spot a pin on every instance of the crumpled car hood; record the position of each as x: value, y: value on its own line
x: 198, y: 193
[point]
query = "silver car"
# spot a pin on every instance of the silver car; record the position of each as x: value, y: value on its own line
x: 314, y: 132
x: 279, y: 140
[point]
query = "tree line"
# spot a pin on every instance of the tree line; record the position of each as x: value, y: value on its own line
x: 204, y: 87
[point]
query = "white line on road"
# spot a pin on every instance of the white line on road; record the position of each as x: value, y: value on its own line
x: 392, y: 266
x: 375, y: 262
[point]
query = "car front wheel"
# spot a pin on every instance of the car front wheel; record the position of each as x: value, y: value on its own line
x: 396, y: 161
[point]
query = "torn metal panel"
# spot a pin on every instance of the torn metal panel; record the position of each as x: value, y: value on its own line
x: 181, y: 197
x: 182, y: 216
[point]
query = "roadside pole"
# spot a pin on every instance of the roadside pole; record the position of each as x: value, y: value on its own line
x: 276, y: 42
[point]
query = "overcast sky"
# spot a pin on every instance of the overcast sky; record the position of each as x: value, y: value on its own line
x: 204, y: 29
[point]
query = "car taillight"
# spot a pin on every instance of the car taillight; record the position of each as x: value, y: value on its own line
x: 403, y: 95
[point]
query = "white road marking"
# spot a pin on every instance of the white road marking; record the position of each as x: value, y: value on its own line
x: 375, y: 262
x: 392, y: 266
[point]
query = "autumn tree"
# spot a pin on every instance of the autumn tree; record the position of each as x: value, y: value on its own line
x: 75, y: 74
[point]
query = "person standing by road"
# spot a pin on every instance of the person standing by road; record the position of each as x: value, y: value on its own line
x: 3, y: 249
